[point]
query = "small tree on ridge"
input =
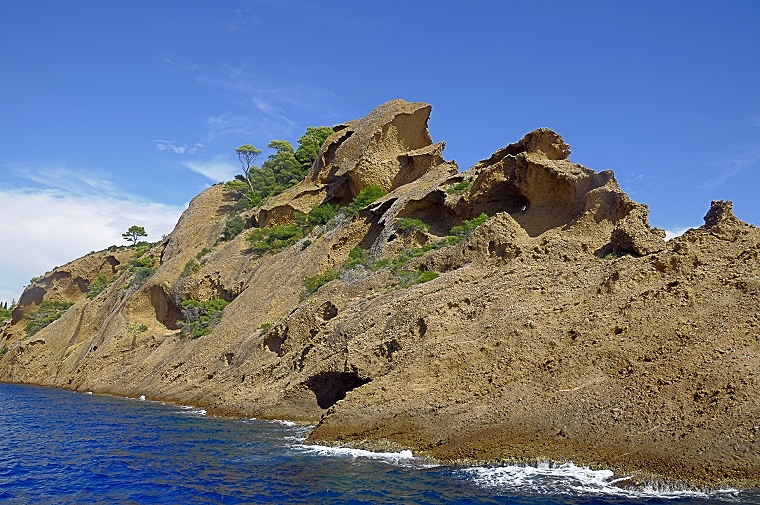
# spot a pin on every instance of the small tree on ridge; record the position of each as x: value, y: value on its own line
x: 134, y: 233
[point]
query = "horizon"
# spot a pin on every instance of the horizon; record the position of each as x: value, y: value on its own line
x: 117, y: 114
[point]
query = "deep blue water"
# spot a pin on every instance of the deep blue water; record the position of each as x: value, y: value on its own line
x: 62, y: 447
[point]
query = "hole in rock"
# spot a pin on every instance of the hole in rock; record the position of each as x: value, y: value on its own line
x: 275, y: 338
x: 327, y: 311
x: 331, y: 387
x: 167, y: 312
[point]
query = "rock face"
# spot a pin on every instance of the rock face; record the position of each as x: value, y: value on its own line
x: 562, y: 327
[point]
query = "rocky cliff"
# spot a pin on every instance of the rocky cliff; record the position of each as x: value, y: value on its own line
x: 522, y: 309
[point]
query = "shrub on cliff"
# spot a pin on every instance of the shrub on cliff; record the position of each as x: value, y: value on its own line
x: 5, y: 313
x: 310, y: 143
x: 200, y: 317
x: 410, y: 224
x: 459, y: 188
x: 322, y: 214
x: 233, y: 227
x: 364, y: 198
x: 97, y: 286
x: 314, y: 283
x: 459, y: 232
x: 274, y: 239
x: 47, y: 312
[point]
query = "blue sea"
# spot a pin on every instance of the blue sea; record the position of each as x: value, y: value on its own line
x: 60, y: 447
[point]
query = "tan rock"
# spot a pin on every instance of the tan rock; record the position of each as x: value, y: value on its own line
x: 530, y: 343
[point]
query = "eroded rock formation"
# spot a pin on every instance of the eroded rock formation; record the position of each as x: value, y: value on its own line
x: 562, y: 327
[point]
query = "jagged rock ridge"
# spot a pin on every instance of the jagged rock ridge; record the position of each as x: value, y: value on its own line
x: 563, y: 327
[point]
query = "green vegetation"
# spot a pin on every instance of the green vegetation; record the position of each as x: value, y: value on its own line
x: 134, y: 328
x: 410, y: 277
x: 322, y: 214
x: 357, y: 256
x: 3, y: 351
x: 97, y: 286
x: 141, y: 276
x: 410, y: 224
x: 134, y: 233
x: 310, y: 143
x: 459, y: 188
x: 314, y: 283
x: 247, y: 154
x: 233, y: 227
x: 141, y: 262
x: 283, y: 165
x: 191, y: 267
x: 203, y: 252
x: 274, y: 239
x: 200, y: 317
x: 281, y: 170
x: 459, y: 232
x: 47, y: 312
x: 364, y: 198
x: 5, y: 312
x: 265, y: 327
x: 141, y: 265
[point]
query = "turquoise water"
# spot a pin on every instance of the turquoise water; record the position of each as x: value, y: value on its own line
x: 60, y: 447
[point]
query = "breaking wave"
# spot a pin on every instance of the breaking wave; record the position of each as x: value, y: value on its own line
x: 567, y: 478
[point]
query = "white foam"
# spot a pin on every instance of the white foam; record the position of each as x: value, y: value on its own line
x: 142, y: 398
x: 567, y: 478
x: 348, y: 452
x: 189, y: 409
x: 88, y: 393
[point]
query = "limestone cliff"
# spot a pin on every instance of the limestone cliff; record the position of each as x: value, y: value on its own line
x: 562, y: 327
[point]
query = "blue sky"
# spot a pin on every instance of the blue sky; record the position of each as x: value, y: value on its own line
x: 118, y: 113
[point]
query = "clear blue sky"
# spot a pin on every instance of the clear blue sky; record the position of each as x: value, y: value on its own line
x: 115, y: 113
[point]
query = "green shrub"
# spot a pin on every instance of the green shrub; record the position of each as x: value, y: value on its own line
x: 134, y: 328
x: 408, y: 224
x: 265, y: 327
x: 459, y: 232
x: 47, y: 312
x: 411, y: 277
x: 191, y: 267
x: 142, y: 275
x: 459, y: 188
x: 364, y: 198
x: 378, y: 265
x: 140, y: 248
x: 142, y: 262
x: 314, y: 283
x: 200, y: 317
x: 355, y: 257
x: 5, y: 314
x: 236, y: 185
x: 202, y: 253
x: 233, y: 227
x: 322, y: 214
x: 3, y: 351
x: 97, y: 286
x: 274, y: 239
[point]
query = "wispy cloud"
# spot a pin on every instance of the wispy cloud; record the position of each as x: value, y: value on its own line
x: 735, y: 166
x: 177, y: 147
x: 218, y: 169
x: 221, y: 125
x: 265, y: 106
x: 244, y: 21
x: 45, y: 228
x: 64, y: 180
